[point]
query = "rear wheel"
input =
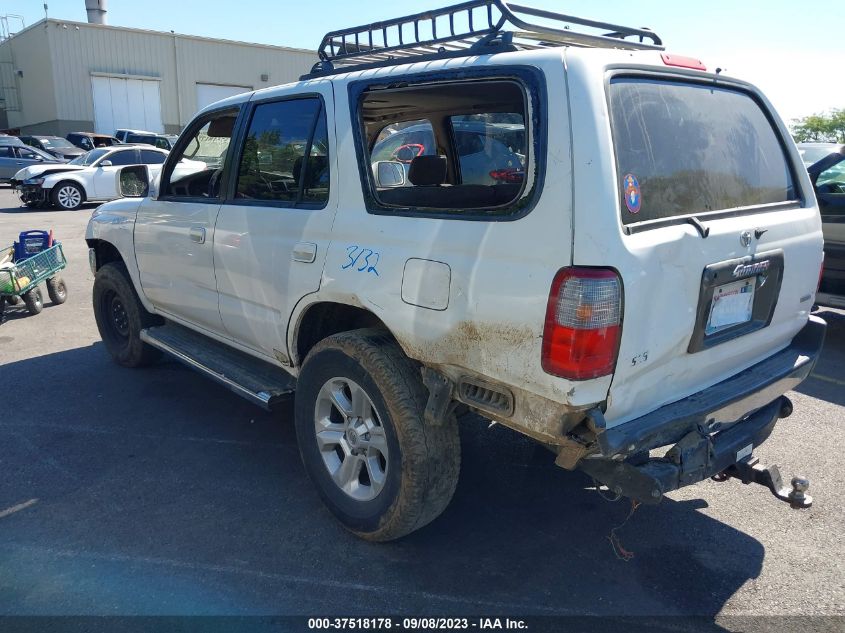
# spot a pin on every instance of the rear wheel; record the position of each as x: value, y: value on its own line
x: 120, y: 317
x: 67, y: 196
x: 57, y: 290
x: 33, y: 300
x: 380, y: 469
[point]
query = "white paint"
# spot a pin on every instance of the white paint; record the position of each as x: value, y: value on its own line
x: 18, y: 508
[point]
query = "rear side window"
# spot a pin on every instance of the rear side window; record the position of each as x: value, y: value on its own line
x: 687, y: 148
x: 149, y: 157
x: 129, y: 157
x: 450, y: 148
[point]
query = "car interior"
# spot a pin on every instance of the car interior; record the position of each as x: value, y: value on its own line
x: 439, y: 180
x: 207, y: 149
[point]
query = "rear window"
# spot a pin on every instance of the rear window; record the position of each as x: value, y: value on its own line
x: 685, y: 148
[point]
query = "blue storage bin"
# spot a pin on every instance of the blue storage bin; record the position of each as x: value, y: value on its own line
x: 31, y: 243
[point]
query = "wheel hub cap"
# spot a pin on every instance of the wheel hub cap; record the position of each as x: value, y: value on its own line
x: 351, y: 439
x: 69, y: 196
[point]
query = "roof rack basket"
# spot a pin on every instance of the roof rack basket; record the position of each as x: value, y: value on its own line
x: 475, y: 27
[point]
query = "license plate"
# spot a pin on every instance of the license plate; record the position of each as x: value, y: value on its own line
x: 732, y: 304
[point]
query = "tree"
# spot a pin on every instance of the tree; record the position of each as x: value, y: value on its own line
x: 828, y: 128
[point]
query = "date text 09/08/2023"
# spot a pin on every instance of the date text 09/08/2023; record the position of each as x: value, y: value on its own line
x: 416, y: 624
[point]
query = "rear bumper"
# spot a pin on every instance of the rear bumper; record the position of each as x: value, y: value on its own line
x: 710, y: 430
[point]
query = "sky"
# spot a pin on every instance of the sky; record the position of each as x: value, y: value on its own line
x: 794, y: 52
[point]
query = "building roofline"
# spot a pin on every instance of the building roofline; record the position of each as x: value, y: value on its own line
x: 58, y: 22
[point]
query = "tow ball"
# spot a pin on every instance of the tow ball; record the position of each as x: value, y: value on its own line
x: 752, y: 471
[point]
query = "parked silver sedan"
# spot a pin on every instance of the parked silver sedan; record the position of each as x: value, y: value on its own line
x: 13, y: 158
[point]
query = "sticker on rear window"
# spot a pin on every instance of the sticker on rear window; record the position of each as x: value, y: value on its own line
x: 633, y: 199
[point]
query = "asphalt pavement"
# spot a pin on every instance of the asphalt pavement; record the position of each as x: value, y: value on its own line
x: 155, y: 491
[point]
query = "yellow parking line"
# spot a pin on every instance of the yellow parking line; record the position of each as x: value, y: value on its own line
x: 835, y: 381
x: 20, y: 506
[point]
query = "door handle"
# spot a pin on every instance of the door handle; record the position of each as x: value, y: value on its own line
x: 197, y: 234
x: 305, y: 252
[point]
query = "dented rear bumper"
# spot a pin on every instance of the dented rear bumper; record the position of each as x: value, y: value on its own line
x: 709, y: 431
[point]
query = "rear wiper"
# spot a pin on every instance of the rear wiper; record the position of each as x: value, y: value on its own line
x: 703, y: 230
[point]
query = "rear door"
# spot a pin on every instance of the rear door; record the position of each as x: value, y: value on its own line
x: 709, y: 224
x: 272, y: 234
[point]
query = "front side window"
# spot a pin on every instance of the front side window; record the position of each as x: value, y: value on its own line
x: 459, y: 147
x: 273, y: 165
x: 687, y: 148
x: 196, y: 171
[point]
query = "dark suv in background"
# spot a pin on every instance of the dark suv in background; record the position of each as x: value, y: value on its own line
x: 825, y: 163
x: 90, y: 140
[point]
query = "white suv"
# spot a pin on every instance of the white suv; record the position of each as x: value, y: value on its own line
x: 640, y: 278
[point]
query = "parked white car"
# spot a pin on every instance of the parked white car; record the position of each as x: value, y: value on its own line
x: 90, y: 177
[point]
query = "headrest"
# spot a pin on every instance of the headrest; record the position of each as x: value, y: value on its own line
x: 427, y: 170
x: 221, y: 127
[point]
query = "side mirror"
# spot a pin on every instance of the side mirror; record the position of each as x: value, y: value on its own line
x: 105, y: 163
x: 133, y: 181
x: 390, y: 173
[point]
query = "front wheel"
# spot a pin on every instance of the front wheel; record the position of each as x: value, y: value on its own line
x: 120, y: 317
x: 33, y: 300
x: 67, y: 196
x: 380, y: 469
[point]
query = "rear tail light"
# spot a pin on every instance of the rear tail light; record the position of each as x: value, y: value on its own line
x: 583, y: 323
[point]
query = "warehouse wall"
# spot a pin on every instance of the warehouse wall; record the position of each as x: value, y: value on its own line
x: 34, y: 92
x: 180, y: 61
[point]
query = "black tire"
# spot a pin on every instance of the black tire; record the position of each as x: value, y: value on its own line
x: 34, y: 300
x: 2, y: 308
x: 13, y: 300
x: 56, y: 290
x: 120, y: 317
x: 63, y: 197
x: 423, y: 462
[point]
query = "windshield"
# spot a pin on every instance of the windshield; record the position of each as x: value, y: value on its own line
x: 687, y: 148
x: 812, y: 155
x: 56, y: 143
x: 90, y: 157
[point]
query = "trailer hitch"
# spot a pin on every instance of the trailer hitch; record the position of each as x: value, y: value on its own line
x: 752, y: 471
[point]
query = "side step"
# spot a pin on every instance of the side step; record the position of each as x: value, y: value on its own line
x: 257, y: 381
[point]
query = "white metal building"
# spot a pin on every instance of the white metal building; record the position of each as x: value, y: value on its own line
x: 58, y: 76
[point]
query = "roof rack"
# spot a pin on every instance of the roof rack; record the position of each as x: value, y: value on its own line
x: 470, y: 28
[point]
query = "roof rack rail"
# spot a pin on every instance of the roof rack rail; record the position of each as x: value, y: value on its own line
x: 469, y: 28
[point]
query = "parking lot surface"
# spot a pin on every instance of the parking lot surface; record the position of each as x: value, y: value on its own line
x: 155, y: 491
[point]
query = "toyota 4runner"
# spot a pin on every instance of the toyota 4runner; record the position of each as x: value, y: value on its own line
x: 548, y: 220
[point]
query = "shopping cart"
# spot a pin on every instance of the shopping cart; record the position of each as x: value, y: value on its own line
x: 35, y: 257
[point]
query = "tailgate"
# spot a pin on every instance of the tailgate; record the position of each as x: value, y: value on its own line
x: 718, y: 249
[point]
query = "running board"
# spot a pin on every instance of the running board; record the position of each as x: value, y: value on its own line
x: 259, y: 382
